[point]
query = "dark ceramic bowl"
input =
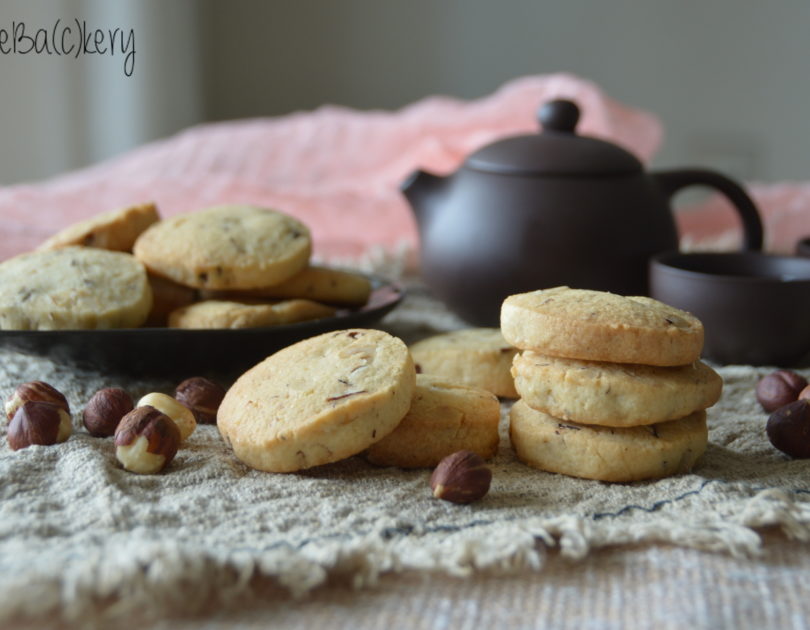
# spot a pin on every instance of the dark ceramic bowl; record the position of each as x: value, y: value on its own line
x: 755, y: 307
x: 803, y: 247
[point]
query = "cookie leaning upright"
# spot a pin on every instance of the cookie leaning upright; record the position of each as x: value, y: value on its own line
x: 599, y: 326
x: 318, y: 401
x: 226, y: 247
x: 476, y: 357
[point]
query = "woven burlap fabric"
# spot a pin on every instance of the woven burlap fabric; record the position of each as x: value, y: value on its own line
x: 80, y: 537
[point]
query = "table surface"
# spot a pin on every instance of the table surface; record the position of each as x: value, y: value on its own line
x: 651, y: 586
x: 660, y: 587
x: 642, y: 586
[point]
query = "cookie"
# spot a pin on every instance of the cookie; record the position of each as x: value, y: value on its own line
x: 477, y: 357
x: 614, y: 394
x: 322, y: 284
x: 222, y: 314
x: 116, y: 230
x: 167, y: 296
x: 226, y: 247
x: 444, y: 417
x: 73, y: 288
x: 318, y: 401
x: 599, y: 326
x: 605, y: 453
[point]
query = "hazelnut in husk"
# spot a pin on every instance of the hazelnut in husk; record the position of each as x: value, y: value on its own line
x: 779, y: 388
x: 105, y: 409
x: 462, y: 477
x: 788, y: 429
x: 38, y: 422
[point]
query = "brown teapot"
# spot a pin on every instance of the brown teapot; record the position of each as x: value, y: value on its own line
x: 553, y: 208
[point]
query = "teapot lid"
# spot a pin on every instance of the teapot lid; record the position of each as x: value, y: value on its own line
x: 557, y: 150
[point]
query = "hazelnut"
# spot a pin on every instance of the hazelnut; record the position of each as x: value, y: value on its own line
x: 38, y: 422
x: 177, y: 412
x: 462, y: 477
x: 35, y: 390
x: 202, y: 397
x: 779, y: 388
x: 788, y: 429
x: 146, y: 440
x: 105, y: 409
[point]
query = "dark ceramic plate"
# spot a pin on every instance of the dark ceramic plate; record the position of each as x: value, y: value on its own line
x: 168, y: 351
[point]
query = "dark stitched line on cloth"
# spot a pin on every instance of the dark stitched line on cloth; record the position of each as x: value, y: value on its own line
x: 659, y: 504
x: 655, y: 506
x: 392, y: 532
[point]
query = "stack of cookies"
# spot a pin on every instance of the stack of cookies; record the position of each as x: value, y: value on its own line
x: 611, y: 387
x: 230, y: 266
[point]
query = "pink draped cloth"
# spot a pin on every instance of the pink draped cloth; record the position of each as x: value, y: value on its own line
x: 336, y: 169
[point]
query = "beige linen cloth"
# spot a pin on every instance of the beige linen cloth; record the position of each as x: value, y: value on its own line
x: 80, y: 538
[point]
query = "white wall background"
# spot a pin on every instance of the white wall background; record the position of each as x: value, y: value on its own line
x: 730, y: 79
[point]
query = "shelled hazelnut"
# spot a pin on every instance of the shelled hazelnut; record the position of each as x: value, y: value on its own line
x: 38, y: 422
x: 175, y: 410
x: 462, y: 477
x: 788, y: 429
x: 34, y: 390
x: 105, y: 409
x: 146, y: 440
x: 779, y: 388
x: 202, y: 396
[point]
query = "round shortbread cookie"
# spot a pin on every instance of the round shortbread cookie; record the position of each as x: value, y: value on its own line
x: 116, y: 230
x: 321, y: 284
x: 73, y: 288
x: 318, y: 401
x: 605, y: 453
x: 444, y: 418
x: 477, y: 357
x: 167, y: 296
x: 599, y: 326
x: 226, y: 247
x: 614, y: 394
x: 222, y: 314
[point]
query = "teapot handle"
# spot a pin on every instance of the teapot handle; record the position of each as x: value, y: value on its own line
x: 669, y: 182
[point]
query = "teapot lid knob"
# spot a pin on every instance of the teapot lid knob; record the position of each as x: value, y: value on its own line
x: 559, y: 115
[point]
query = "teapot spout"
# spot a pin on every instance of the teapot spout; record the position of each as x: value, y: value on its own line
x: 418, y: 189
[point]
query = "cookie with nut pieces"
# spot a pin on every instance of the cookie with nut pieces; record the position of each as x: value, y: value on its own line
x: 477, y: 357
x: 444, y: 417
x: 226, y: 247
x: 228, y: 314
x: 318, y: 401
x: 116, y: 230
x: 73, y: 288
x: 321, y: 284
x: 600, y: 326
x: 614, y: 394
x: 607, y: 453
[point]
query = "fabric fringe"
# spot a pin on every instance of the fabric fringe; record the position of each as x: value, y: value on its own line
x: 179, y: 580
